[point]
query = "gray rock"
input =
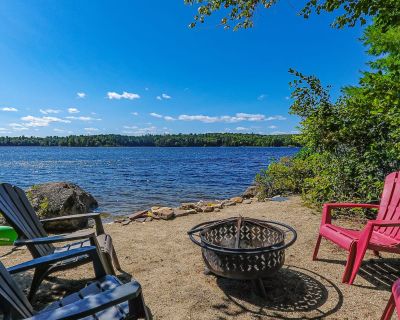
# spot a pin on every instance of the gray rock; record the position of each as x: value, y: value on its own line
x: 247, y: 201
x: 229, y: 203
x: 56, y: 199
x: 250, y: 192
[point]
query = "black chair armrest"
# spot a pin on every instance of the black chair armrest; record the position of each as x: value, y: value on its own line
x: 94, y: 215
x: 92, y: 304
x: 55, y: 257
x: 58, y: 238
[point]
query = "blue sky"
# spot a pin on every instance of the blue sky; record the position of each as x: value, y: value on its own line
x: 134, y: 67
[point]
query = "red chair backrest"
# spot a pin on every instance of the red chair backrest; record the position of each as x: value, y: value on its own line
x: 389, y: 208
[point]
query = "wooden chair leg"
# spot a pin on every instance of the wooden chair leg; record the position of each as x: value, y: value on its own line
x: 349, y: 263
x: 377, y: 254
x: 314, y: 257
x: 137, y: 308
x: 357, y: 264
x: 108, y: 263
x: 115, y: 259
x: 387, y: 314
x: 38, y: 277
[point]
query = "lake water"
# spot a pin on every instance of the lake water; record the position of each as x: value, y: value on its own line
x: 124, y: 180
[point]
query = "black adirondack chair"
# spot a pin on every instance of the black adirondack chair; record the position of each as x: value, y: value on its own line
x: 106, y: 298
x: 18, y: 212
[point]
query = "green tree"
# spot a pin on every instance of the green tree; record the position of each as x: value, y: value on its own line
x: 239, y: 13
x: 350, y: 144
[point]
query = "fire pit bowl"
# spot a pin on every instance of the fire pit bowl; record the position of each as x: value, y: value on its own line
x: 243, y: 248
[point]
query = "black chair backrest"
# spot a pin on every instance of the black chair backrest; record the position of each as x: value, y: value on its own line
x: 18, y: 212
x: 13, y: 302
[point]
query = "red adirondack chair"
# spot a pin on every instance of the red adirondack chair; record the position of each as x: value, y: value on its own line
x: 382, y: 234
x: 394, y: 301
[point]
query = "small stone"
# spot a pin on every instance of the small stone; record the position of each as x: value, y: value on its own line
x: 229, y: 204
x: 165, y: 213
x: 191, y: 211
x: 182, y: 213
x: 137, y: 214
x: 208, y: 209
x: 237, y: 199
x: 217, y: 210
x: 187, y: 206
x: 247, y: 201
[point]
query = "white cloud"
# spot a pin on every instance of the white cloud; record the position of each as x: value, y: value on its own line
x: 124, y: 95
x: 261, y: 97
x: 164, y: 96
x: 8, y: 109
x: 4, y: 131
x: 229, y: 119
x: 31, y: 121
x: 168, y: 118
x: 47, y: 111
x: 272, y: 127
x: 130, y: 127
x: 82, y: 118
x: 155, y: 115
x: 141, y: 131
x: 91, y: 129
x: 17, y: 127
x: 135, y: 113
x: 241, y: 129
x: 73, y: 110
x: 202, y: 118
x: 81, y: 95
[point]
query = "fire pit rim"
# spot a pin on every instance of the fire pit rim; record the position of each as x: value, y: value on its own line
x: 208, y: 224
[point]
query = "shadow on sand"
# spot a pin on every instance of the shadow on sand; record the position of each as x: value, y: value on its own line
x: 379, y: 272
x: 293, y: 293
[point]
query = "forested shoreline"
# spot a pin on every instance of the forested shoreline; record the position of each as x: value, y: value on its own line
x: 169, y: 140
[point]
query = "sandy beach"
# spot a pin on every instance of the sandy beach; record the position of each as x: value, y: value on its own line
x: 170, y: 269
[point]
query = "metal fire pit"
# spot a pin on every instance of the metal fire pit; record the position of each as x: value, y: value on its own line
x: 243, y: 248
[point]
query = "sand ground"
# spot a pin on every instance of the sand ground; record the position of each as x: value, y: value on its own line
x: 170, y: 268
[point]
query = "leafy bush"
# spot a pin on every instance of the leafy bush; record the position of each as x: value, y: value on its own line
x: 283, y: 177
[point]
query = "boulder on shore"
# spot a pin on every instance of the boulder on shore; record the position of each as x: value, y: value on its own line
x: 55, y: 199
x: 250, y: 192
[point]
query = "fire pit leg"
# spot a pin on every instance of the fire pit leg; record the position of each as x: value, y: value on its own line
x: 207, y: 271
x: 259, y: 287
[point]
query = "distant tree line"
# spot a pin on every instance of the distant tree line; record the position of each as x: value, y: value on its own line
x: 169, y: 140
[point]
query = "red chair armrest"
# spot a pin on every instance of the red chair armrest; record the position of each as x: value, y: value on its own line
x: 384, y: 223
x: 326, y: 211
x: 352, y: 205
